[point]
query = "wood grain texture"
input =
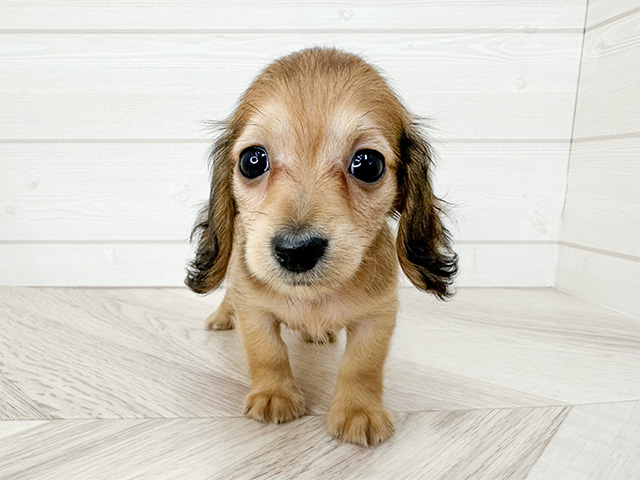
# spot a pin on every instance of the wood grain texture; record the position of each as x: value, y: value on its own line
x: 9, y: 428
x: 162, y: 264
x: 293, y: 15
x: 14, y: 404
x: 594, y: 442
x: 496, y: 444
x: 507, y: 264
x: 551, y: 344
x: 600, y: 277
x: 147, y: 191
x: 610, y: 80
x: 607, y: 10
x: 600, y: 252
x: 123, y: 86
x: 602, y: 208
x: 502, y: 191
x: 146, y: 77
x: 123, y: 353
x: 101, y: 192
x: 106, y: 353
x: 139, y: 389
x: 93, y: 264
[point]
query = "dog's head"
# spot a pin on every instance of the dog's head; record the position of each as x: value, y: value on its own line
x: 317, y: 156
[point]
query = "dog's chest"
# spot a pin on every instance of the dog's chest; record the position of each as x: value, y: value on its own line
x: 313, y: 315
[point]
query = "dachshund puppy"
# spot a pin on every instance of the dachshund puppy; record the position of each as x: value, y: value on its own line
x: 317, y: 157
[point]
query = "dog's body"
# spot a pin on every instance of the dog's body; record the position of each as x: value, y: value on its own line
x: 317, y: 156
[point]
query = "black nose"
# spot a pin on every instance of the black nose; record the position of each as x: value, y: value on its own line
x: 298, y: 253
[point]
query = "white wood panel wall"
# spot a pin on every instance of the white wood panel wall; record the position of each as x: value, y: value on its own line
x: 600, y: 249
x: 103, y: 111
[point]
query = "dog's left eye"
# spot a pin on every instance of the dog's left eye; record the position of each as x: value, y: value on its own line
x: 254, y: 161
x: 367, y: 165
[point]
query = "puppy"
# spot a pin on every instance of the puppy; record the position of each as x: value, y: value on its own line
x: 317, y: 157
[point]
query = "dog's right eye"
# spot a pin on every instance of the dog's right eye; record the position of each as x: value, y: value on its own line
x: 254, y: 161
x: 367, y: 165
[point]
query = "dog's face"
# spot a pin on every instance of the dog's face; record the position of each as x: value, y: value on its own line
x: 314, y: 182
x: 317, y: 156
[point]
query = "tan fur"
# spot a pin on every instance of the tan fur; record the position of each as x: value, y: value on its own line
x: 312, y: 111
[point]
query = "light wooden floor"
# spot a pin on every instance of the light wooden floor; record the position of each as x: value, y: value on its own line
x: 496, y: 383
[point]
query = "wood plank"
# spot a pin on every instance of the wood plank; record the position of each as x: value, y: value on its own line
x: 15, y: 405
x: 101, y: 192
x: 502, y: 191
x: 610, y: 80
x: 68, y: 359
x: 12, y: 427
x: 600, y: 11
x: 601, y: 278
x: 93, y: 264
x: 163, y: 264
x: 594, y: 442
x: 602, y: 209
x: 151, y: 192
x: 174, y: 367
x: 123, y: 353
x: 486, y: 444
x: 542, y: 342
x: 157, y: 322
x: 472, y: 85
x: 506, y: 264
x: 292, y: 15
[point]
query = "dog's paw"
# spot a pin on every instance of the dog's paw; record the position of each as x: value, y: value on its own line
x: 278, y: 406
x: 219, y: 320
x: 327, y: 337
x: 360, y: 425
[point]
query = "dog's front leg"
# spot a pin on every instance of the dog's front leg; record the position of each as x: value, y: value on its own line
x: 357, y: 414
x: 274, y: 396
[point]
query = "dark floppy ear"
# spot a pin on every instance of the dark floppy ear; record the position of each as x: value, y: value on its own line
x: 423, y: 243
x: 214, y: 228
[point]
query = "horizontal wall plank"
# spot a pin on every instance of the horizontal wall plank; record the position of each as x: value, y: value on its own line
x: 603, y: 196
x: 609, y: 87
x: 150, y: 191
x: 112, y: 86
x: 101, y: 191
x: 156, y: 264
x: 507, y: 265
x: 600, y: 278
x: 506, y: 191
x: 291, y: 14
x: 607, y: 10
x: 93, y: 265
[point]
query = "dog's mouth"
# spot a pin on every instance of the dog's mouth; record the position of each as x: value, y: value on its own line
x: 307, y: 279
x: 301, y: 283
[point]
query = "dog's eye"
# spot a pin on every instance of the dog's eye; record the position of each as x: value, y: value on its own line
x: 254, y: 161
x: 367, y: 165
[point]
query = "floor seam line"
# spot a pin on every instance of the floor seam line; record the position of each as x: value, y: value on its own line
x: 566, y: 413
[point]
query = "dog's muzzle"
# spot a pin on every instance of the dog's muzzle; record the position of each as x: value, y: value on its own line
x: 298, y: 253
